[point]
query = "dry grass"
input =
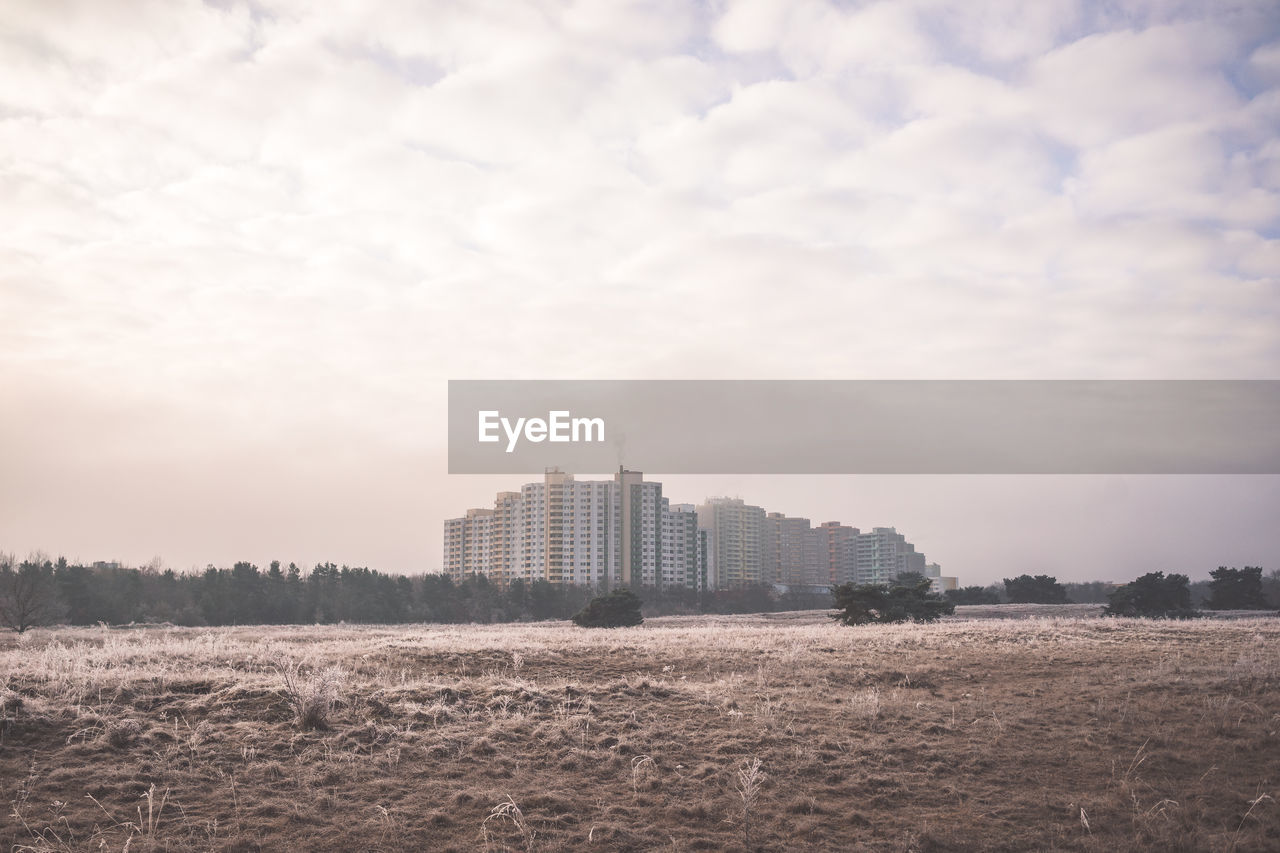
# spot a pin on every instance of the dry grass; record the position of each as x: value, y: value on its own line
x: 1047, y: 733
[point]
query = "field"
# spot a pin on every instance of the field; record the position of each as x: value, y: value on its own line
x: 777, y: 732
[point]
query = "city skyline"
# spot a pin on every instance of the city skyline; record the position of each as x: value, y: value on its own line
x: 624, y: 531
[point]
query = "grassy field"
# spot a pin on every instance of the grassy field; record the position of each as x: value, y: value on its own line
x: 778, y: 732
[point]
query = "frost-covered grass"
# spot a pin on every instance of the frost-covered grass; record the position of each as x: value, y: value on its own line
x: 1034, y: 733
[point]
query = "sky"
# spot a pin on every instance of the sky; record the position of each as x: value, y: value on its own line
x: 246, y: 245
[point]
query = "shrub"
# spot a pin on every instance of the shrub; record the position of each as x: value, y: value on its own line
x: 906, y: 600
x: 1236, y: 589
x: 972, y: 595
x: 10, y: 705
x: 122, y: 733
x: 1041, y: 589
x: 10, y: 702
x: 619, y: 609
x: 27, y: 595
x: 311, y: 697
x: 747, y: 787
x: 1154, y: 596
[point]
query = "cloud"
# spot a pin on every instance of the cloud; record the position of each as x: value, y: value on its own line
x: 281, y: 220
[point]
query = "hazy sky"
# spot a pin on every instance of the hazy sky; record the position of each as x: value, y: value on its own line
x: 245, y: 246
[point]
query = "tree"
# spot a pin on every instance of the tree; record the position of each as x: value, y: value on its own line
x: 1236, y: 589
x: 908, y: 599
x: 1271, y: 587
x: 618, y: 609
x: 1154, y: 596
x: 973, y: 595
x: 1088, y: 592
x: 1041, y: 589
x: 748, y: 598
x: 28, y: 595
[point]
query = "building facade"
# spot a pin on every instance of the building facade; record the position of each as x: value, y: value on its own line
x: 625, y: 532
x: 601, y: 533
x: 735, y: 542
x: 883, y: 554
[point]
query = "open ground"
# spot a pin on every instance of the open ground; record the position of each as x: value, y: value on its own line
x: 777, y: 732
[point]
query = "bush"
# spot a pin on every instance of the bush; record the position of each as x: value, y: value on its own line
x: 122, y: 733
x: 1236, y: 589
x: 1153, y: 596
x: 10, y: 702
x: 10, y: 705
x: 312, y: 697
x: 28, y: 597
x: 1041, y: 589
x: 619, y: 609
x: 909, y: 599
x: 972, y: 595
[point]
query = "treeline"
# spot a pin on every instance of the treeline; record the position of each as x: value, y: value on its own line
x: 37, y: 592
x: 1228, y: 588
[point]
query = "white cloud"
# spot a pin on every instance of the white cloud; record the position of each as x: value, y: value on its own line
x: 1106, y: 86
x: 285, y: 219
x: 1177, y: 172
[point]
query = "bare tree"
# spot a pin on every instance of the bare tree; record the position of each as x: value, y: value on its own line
x: 28, y: 596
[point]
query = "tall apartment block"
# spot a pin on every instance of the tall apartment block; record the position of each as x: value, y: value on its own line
x: 566, y: 531
x: 840, y: 540
x: 624, y: 532
x: 735, y: 542
x: 468, y: 541
x: 684, y: 548
x: 883, y: 554
x: 795, y: 553
x: 601, y: 533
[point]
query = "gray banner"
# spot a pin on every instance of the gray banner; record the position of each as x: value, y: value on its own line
x: 865, y: 427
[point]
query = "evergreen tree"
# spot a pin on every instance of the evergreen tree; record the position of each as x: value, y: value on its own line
x: 1041, y: 589
x: 1154, y: 596
x: 1236, y: 589
x: 619, y: 609
x: 972, y: 595
x: 28, y: 595
x: 909, y: 598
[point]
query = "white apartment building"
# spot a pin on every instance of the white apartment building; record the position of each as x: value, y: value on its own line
x: 683, y: 548
x: 639, y: 525
x: 624, y: 532
x: 601, y: 533
x: 735, y: 542
x: 883, y: 554
x: 468, y: 541
x: 565, y: 531
x: 840, y: 543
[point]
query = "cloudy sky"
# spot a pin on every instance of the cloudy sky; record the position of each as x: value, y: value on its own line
x: 245, y: 245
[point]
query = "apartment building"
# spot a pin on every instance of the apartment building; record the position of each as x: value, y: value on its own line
x: 883, y: 554
x: 839, y: 541
x: 796, y: 554
x: 625, y: 532
x: 468, y: 542
x: 566, y: 531
x: 639, y: 511
x: 735, y: 542
x: 939, y: 582
x: 601, y: 533
x: 684, y: 548
x: 506, y: 545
